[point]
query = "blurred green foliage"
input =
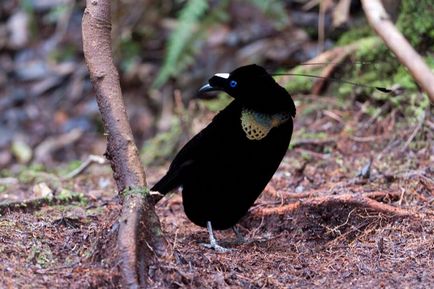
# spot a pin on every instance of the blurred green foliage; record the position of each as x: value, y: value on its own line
x: 27, y: 7
x: 300, y: 84
x: 163, y: 145
x: 274, y: 10
x: 355, y: 34
x: 193, y: 23
x: 217, y: 104
x: 56, y: 13
x: 130, y: 52
x: 416, y: 22
x: 182, y: 43
x: 64, y: 53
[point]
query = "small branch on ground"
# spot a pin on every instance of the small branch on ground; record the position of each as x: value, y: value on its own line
x: 139, y: 237
x: 392, y: 196
x: 364, y: 201
x: 381, y: 23
x: 90, y: 160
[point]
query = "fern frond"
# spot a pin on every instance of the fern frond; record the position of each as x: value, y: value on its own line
x: 180, y: 39
x: 274, y: 10
x: 193, y: 24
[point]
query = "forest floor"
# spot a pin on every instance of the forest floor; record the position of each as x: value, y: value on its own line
x: 307, y: 230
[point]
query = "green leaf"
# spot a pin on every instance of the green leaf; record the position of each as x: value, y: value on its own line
x: 180, y: 39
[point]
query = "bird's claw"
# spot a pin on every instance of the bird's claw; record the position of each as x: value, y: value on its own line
x: 240, y: 238
x: 216, y: 247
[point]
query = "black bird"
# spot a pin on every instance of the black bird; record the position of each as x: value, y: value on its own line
x: 226, y: 166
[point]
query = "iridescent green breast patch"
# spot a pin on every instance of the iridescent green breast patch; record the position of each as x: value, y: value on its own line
x: 257, y: 125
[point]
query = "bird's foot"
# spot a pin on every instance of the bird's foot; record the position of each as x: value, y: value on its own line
x: 213, y: 242
x: 216, y: 247
x: 240, y: 238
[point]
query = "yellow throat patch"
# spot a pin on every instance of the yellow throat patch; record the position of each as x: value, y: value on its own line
x: 257, y: 125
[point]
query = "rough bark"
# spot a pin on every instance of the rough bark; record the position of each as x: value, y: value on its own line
x: 139, y: 238
x: 383, y: 26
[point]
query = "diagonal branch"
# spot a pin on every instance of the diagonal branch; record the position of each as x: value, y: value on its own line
x: 139, y: 237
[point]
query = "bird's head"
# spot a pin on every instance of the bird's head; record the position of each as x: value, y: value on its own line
x: 254, y: 87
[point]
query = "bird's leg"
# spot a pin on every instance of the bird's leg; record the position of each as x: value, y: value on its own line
x: 240, y: 237
x: 212, y: 239
x: 213, y: 242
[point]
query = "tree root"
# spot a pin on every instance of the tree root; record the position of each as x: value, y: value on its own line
x: 365, y: 201
x: 137, y: 242
x: 377, y: 195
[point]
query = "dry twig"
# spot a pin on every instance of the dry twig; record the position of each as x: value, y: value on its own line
x: 90, y: 160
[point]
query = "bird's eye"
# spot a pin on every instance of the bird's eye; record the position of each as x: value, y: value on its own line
x: 233, y: 84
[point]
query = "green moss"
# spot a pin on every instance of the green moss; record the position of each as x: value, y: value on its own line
x: 303, y: 134
x: 93, y: 212
x: 29, y: 176
x: 416, y: 22
x: 298, y: 83
x: 162, y: 146
x: 305, y: 155
x: 67, y: 195
x: 130, y: 51
x: 41, y: 254
x: 388, y: 73
x: 69, y: 167
x: 371, y: 111
x: 144, y: 191
x: 65, y: 53
x: 355, y: 34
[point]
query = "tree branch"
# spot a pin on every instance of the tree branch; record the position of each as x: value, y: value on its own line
x: 381, y: 23
x: 139, y: 237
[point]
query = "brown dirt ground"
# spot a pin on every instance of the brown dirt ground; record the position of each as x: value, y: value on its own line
x: 68, y: 245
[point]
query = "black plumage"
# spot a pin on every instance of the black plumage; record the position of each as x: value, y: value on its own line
x: 225, y: 167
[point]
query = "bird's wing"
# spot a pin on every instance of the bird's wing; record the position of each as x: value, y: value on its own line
x: 196, y: 149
